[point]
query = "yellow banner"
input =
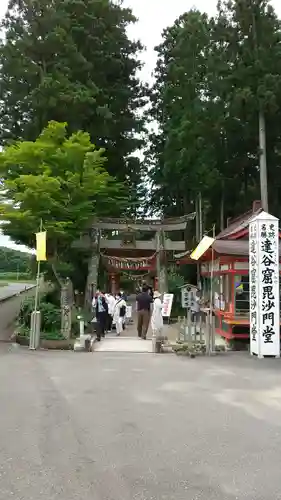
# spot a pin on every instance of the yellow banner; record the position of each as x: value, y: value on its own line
x: 41, y: 246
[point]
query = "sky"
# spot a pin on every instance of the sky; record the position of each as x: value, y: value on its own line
x: 153, y: 16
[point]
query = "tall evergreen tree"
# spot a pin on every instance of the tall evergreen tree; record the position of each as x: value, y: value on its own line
x: 252, y: 36
x: 180, y: 151
x: 213, y: 76
x: 72, y: 61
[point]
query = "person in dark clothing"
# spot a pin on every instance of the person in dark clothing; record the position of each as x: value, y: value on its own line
x: 101, y: 315
x: 144, y: 301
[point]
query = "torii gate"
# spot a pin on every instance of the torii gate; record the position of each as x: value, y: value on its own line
x: 128, y: 252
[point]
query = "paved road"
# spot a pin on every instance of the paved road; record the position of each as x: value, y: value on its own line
x: 9, y: 310
x: 13, y: 288
x: 138, y: 427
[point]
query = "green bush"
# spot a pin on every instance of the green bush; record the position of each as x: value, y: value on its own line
x: 27, y: 306
x: 52, y: 336
x: 175, y: 281
x: 24, y: 331
x: 53, y: 296
x: 50, y: 315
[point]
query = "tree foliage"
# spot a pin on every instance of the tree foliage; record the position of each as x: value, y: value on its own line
x: 213, y: 76
x: 59, y: 180
x: 178, y: 106
x: 14, y: 261
x: 72, y: 61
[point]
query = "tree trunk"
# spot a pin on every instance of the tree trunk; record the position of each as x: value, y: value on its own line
x: 222, y: 208
x: 186, y: 209
x: 162, y: 274
x: 93, y: 270
x: 56, y: 274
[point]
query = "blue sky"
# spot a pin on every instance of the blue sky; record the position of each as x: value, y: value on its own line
x: 154, y: 16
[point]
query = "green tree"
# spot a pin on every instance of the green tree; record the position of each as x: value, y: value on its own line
x: 180, y: 150
x: 213, y: 76
x: 61, y: 181
x: 14, y: 261
x: 72, y: 61
x: 251, y: 33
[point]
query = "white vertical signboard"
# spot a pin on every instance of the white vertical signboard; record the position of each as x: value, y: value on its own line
x: 264, y: 286
x: 253, y: 281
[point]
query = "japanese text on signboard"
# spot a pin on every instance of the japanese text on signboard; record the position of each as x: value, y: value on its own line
x: 253, y: 282
x: 269, y: 262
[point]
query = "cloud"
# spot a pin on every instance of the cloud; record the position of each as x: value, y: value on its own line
x: 5, y: 241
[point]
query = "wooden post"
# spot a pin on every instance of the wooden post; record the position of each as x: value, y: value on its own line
x: 189, y: 327
x: 213, y: 334
x: 65, y: 311
x: 93, y: 269
x: 208, y: 333
x: 112, y: 286
x: 155, y: 283
x: 200, y: 327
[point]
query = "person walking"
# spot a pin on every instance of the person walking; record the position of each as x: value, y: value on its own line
x: 111, y: 305
x: 124, y: 296
x: 119, y: 314
x: 195, y: 308
x: 144, y: 301
x: 101, y: 307
x: 156, y: 317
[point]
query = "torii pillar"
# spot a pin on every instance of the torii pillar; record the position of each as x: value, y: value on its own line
x: 114, y: 283
x: 162, y: 276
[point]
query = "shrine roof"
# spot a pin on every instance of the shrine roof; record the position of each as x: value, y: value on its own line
x: 239, y: 248
x: 237, y: 226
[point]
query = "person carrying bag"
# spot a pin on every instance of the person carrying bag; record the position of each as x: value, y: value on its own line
x: 119, y: 314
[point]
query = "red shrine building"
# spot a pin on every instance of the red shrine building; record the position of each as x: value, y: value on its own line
x: 229, y: 257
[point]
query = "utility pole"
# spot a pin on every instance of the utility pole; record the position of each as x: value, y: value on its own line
x: 199, y: 228
x: 262, y: 136
x: 263, y: 165
x: 197, y: 220
x: 200, y: 216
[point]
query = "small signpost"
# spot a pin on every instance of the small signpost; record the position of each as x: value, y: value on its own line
x: 185, y: 297
x: 264, y: 286
x: 188, y: 298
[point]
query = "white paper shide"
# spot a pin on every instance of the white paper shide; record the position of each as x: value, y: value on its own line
x: 264, y: 286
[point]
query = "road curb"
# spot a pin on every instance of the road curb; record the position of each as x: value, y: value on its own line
x: 17, y: 294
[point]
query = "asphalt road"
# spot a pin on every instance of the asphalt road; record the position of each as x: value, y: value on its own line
x: 138, y: 427
x: 13, y: 288
x: 9, y: 309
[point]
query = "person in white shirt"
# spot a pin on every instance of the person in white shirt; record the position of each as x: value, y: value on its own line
x: 195, y: 308
x: 157, y: 318
x: 123, y: 295
x: 100, y: 307
x: 111, y: 305
x: 119, y: 314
